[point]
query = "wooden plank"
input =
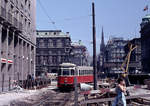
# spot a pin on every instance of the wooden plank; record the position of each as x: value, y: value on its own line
x: 111, y: 99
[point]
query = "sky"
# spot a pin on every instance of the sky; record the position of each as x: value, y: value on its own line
x: 119, y: 18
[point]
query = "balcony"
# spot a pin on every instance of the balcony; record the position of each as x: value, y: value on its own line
x: 3, y: 13
x: 5, y: 16
x: 9, y: 20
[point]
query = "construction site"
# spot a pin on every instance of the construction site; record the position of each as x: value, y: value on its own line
x: 41, y: 67
x: 137, y: 88
x: 120, y: 59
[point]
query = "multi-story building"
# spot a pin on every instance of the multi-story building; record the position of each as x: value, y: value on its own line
x: 17, y: 41
x: 53, y: 48
x: 79, y: 54
x: 145, y: 44
x: 114, y: 55
x: 135, y: 58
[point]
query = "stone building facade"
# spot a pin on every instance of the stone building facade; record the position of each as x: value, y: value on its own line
x: 79, y: 54
x: 17, y: 41
x: 53, y: 48
x: 114, y: 55
x: 145, y: 44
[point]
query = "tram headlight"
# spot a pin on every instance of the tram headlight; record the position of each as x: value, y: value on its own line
x: 65, y: 80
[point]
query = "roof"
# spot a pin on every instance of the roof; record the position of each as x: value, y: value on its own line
x: 48, y: 31
x: 67, y: 64
x: 51, y: 33
x: 77, y: 45
x: 147, y: 16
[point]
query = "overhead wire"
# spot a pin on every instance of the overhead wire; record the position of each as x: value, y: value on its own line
x: 44, y: 10
x: 76, y: 18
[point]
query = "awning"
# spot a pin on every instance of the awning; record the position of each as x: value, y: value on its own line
x: 10, y: 62
x: 3, y: 60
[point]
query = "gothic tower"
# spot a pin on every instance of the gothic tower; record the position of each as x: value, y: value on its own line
x: 102, y: 45
x: 101, y: 57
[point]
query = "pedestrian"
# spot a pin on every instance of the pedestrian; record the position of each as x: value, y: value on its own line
x: 120, y: 99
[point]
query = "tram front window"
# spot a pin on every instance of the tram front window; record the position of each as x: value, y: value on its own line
x: 72, y: 72
x: 65, y: 72
x: 59, y: 72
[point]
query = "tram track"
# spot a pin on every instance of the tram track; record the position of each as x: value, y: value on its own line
x: 59, y: 99
x: 47, y: 98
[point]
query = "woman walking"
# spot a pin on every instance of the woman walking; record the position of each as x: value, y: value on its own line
x: 120, y: 99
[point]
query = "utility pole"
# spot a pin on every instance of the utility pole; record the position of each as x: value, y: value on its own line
x: 75, y: 92
x: 94, y: 48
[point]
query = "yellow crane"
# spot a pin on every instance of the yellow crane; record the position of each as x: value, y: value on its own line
x: 125, y: 64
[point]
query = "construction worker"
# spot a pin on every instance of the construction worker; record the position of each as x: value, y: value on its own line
x: 120, y: 99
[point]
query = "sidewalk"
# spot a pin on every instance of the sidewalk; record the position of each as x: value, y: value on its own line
x: 7, y: 97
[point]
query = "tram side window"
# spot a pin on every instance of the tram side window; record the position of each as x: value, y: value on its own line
x: 79, y: 72
x: 72, y: 72
x: 65, y: 72
x: 84, y: 72
x: 87, y: 72
x: 91, y: 72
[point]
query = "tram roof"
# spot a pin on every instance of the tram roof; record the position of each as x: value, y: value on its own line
x: 67, y: 64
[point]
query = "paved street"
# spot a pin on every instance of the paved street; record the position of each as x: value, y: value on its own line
x: 18, y: 96
x: 48, y: 97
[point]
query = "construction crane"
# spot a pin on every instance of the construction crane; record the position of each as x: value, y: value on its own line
x: 125, y: 64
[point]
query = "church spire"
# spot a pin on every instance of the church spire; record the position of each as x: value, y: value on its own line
x: 102, y: 45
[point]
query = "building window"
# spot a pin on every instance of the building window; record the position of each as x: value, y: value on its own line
x: 17, y: 3
x: 67, y: 42
x: 55, y: 43
x: 29, y: 25
x: 49, y: 59
x: 25, y: 24
x: 22, y: 6
x: 41, y: 43
x: 63, y: 42
x: 49, y: 52
x: 54, y: 59
x: 25, y: 2
x: 29, y: 6
x: 54, y: 52
x: 62, y: 59
x: 59, y: 44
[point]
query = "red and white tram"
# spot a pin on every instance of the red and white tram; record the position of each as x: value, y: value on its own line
x: 67, y: 72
